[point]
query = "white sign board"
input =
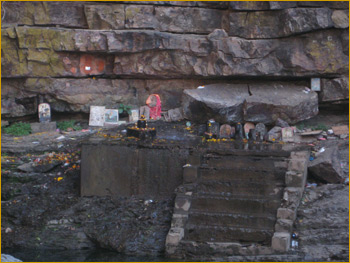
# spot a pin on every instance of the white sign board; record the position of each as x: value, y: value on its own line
x: 316, y: 84
x: 97, y: 115
x: 134, y: 116
x: 44, y: 112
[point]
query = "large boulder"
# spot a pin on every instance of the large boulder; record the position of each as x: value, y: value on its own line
x: 223, y: 102
x: 326, y: 167
x: 291, y: 103
x: 334, y: 89
x: 254, y: 103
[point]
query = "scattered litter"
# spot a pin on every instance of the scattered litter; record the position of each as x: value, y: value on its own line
x: 60, y: 145
x: 147, y: 202
x: 188, y: 124
x: 306, y: 90
x: 35, y: 142
x: 322, y: 139
x: 187, y: 165
x: 8, y: 230
x: 85, y: 130
x: 330, y: 132
x: 321, y: 150
x: 346, y: 181
x: 200, y: 87
x: 60, y: 137
x: 311, y: 185
x: 312, y: 158
x: 295, y: 244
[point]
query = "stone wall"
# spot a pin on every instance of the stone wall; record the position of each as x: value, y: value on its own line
x: 77, y: 54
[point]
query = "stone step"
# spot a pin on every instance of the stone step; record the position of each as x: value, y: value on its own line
x: 230, y: 219
x: 238, y: 188
x: 213, y: 233
x: 248, y: 163
x: 216, y: 204
x: 244, y: 175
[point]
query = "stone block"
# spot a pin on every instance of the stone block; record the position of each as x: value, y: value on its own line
x: 174, y: 236
x: 43, y: 127
x: 286, y: 213
x: 182, y: 203
x: 298, y: 165
x: 194, y: 160
x: 190, y: 174
x: 294, y: 179
x: 284, y: 225
x: 299, y: 155
x: 178, y: 220
x: 281, y: 241
x: 292, y: 196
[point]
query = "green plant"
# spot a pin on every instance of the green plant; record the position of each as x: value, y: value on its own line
x: 126, y: 108
x: 320, y: 127
x: 64, y: 125
x: 18, y: 129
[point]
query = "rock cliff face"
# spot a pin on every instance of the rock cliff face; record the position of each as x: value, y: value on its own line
x: 77, y: 54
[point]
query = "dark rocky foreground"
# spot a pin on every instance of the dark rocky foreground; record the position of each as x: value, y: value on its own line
x: 41, y: 211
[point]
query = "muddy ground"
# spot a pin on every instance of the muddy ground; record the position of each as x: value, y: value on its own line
x: 45, y: 210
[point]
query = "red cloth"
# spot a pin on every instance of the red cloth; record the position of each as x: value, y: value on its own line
x: 154, y: 112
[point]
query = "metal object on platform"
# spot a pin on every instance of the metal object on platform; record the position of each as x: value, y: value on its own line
x: 239, y: 131
x: 213, y: 128
x: 142, y: 123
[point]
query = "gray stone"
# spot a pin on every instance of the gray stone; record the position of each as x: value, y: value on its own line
x: 38, y: 168
x: 140, y: 16
x: 249, y: 5
x: 273, y: 24
x: 274, y: 134
x: 190, y: 174
x: 190, y: 20
x: 105, y: 16
x: 281, y: 123
x: 291, y: 103
x: 340, y: 18
x: 67, y: 14
x: 326, y: 167
x: 334, y: 89
x: 223, y: 102
x: 43, y: 127
x: 281, y: 241
x: 285, y: 213
x: 260, y: 131
x: 175, y: 114
x: 275, y: 5
x: 217, y: 34
x: 294, y: 179
x: 284, y: 225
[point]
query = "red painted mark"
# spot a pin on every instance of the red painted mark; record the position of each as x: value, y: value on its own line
x: 90, y: 65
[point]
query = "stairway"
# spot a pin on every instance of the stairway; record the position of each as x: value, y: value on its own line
x: 231, y: 199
